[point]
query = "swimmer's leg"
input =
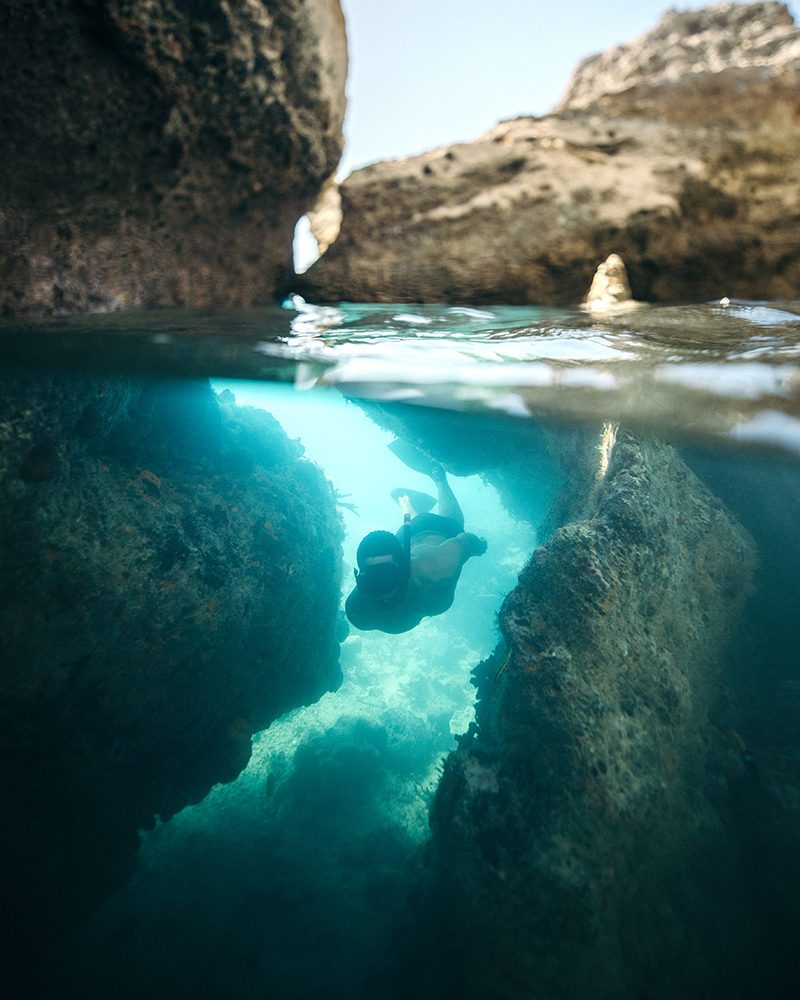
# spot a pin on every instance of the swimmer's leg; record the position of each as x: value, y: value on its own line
x: 412, y: 501
x: 448, y: 505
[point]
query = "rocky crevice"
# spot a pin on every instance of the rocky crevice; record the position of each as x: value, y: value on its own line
x: 170, y: 573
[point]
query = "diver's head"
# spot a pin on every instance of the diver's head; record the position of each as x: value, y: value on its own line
x: 380, y: 565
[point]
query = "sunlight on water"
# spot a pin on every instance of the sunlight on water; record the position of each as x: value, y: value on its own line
x: 353, y: 453
x: 695, y: 369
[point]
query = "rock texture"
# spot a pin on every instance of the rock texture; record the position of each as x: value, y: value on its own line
x: 610, y: 291
x: 622, y: 818
x: 678, y: 151
x: 169, y: 584
x: 583, y: 833
x: 683, y: 49
x: 159, y: 152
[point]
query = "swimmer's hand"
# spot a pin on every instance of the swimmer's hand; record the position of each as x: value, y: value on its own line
x: 474, y: 546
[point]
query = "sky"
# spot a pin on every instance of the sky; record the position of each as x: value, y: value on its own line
x: 427, y: 73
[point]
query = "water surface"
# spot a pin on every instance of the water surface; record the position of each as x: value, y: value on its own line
x: 726, y: 369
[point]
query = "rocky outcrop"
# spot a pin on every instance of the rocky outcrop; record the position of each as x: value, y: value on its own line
x: 610, y: 291
x: 682, y: 50
x: 170, y: 569
x: 161, y: 153
x: 583, y: 831
x: 678, y: 151
x: 623, y: 814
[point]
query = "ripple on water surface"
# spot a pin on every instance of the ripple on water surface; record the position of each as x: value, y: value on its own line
x: 727, y: 369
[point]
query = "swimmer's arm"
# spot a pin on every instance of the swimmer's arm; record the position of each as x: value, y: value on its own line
x: 445, y: 561
x: 359, y: 613
x: 368, y: 616
x: 471, y: 544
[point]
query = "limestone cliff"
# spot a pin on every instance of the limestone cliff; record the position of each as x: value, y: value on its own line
x: 161, y: 153
x: 678, y: 151
x: 682, y: 50
x: 169, y: 574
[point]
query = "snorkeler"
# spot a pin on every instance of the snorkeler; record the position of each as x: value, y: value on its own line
x: 405, y: 577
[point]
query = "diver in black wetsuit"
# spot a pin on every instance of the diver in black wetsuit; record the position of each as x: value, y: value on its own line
x: 411, y: 575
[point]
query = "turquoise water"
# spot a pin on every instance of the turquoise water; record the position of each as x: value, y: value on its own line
x: 725, y: 369
x: 306, y: 876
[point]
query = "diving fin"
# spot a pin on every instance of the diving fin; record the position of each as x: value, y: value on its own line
x: 421, y: 502
x: 416, y: 459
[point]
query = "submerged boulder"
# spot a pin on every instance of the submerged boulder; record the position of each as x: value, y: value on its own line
x: 170, y: 568
x: 582, y: 833
x: 680, y: 151
x: 161, y: 152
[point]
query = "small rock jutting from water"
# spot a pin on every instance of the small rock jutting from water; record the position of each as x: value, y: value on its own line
x: 610, y: 291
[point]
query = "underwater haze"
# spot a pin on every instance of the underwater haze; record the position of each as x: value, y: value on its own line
x: 582, y: 779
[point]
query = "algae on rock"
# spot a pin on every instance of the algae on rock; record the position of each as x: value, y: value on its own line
x: 170, y: 573
x: 580, y: 835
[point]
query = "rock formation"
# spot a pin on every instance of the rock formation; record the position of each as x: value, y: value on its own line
x: 683, y: 49
x: 623, y: 812
x: 161, y: 153
x: 679, y: 151
x: 170, y: 577
x: 610, y: 291
x: 620, y: 822
x: 575, y: 825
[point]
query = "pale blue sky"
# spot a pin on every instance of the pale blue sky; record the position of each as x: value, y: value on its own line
x: 426, y: 73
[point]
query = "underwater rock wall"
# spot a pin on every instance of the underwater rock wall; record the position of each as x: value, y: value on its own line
x: 161, y: 152
x: 679, y: 151
x: 519, y: 458
x: 625, y: 810
x: 581, y: 834
x: 170, y: 568
x: 763, y: 491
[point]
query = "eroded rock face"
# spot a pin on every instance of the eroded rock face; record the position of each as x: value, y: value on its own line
x: 678, y: 151
x: 583, y: 833
x: 170, y: 577
x: 161, y: 152
x: 685, y: 45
